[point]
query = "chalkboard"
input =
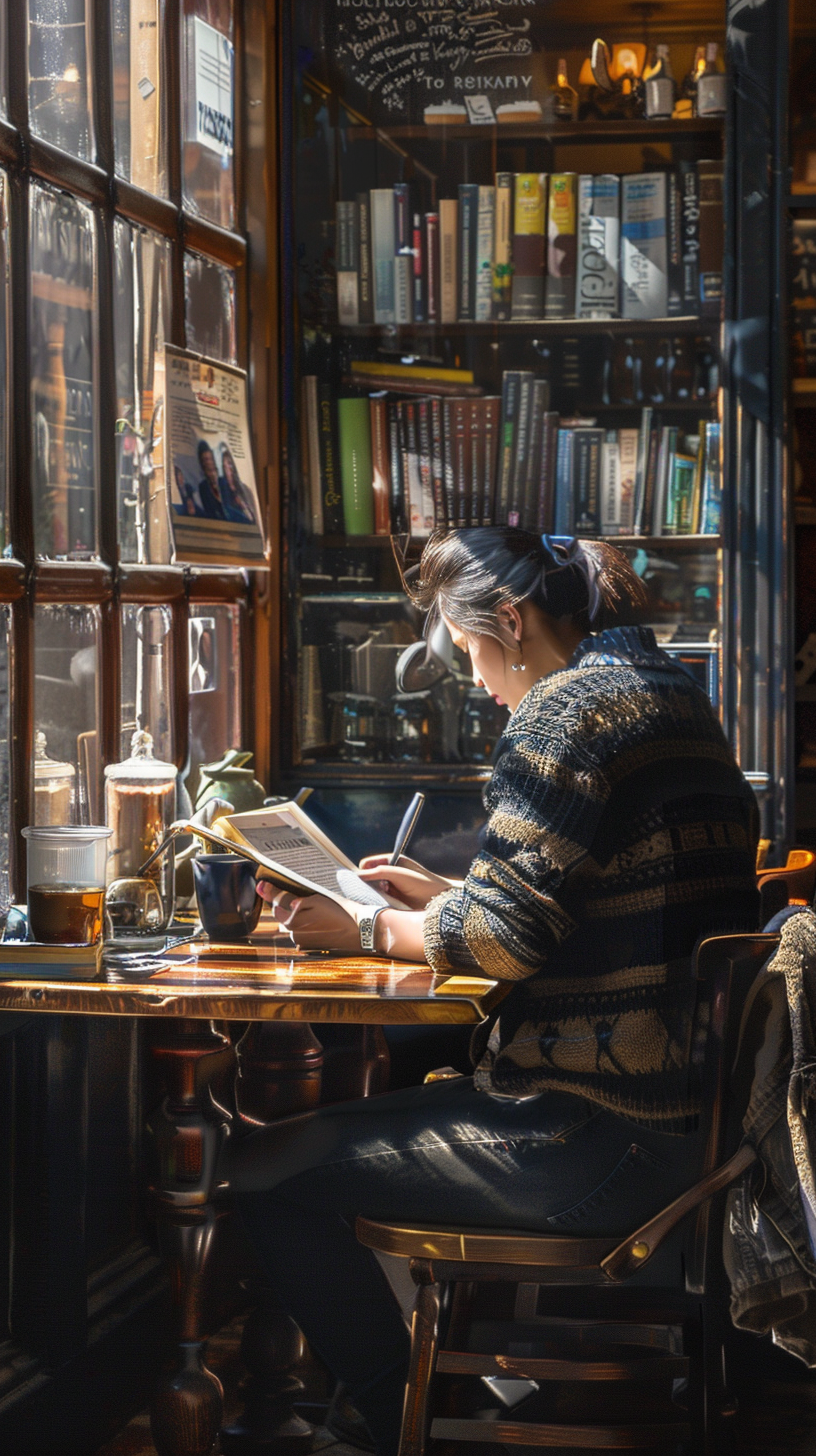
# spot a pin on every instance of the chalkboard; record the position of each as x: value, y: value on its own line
x: 405, y: 55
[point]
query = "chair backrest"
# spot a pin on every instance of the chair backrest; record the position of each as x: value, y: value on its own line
x: 726, y: 967
x: 795, y: 880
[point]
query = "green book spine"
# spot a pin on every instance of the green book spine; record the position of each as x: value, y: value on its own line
x: 356, y: 475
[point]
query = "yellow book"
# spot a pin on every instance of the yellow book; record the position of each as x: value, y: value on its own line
x: 529, y: 209
x: 410, y: 371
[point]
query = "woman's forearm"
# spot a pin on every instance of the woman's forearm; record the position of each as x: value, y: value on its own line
x: 399, y: 933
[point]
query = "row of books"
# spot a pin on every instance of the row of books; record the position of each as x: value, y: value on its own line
x: 376, y: 464
x: 534, y: 246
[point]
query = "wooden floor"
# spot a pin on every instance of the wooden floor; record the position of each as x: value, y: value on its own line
x: 777, y: 1406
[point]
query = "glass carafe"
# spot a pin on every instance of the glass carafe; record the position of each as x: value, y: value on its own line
x: 140, y: 803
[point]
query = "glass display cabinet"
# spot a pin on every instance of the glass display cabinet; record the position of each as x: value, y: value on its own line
x: 504, y: 301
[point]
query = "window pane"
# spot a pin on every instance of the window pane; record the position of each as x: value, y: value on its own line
x: 215, y: 685
x: 3, y: 60
x: 63, y: 299
x: 138, y: 133
x: 209, y: 299
x: 146, y: 695
x: 208, y: 84
x: 140, y: 327
x: 5, y: 776
x: 58, y: 70
x: 66, y: 713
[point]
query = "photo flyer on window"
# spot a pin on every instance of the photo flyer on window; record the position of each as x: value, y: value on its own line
x: 215, y: 515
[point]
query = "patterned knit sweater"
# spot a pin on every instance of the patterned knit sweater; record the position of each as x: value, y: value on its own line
x: 620, y: 829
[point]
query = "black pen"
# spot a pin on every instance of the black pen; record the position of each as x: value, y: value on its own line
x: 407, y: 827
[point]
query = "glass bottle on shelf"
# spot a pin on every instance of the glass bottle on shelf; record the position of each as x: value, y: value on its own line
x: 691, y: 80
x: 565, y: 97
x: 661, y: 89
x: 712, y: 86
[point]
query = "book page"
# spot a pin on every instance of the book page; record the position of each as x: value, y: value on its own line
x: 289, y: 838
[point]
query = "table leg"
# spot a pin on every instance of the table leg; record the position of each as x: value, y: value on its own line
x: 188, y: 1133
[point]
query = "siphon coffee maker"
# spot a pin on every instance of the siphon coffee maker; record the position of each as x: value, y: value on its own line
x: 140, y: 804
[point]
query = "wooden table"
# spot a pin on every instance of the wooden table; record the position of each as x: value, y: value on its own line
x: 194, y: 992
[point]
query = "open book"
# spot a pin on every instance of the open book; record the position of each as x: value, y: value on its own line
x: 293, y: 853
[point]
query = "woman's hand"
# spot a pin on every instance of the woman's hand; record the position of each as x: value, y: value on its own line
x: 407, y: 881
x: 313, y: 921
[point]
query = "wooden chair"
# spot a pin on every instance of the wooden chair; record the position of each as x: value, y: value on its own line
x: 607, y: 1337
x: 791, y: 883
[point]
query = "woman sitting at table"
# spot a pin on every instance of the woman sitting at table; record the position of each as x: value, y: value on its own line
x: 620, y: 829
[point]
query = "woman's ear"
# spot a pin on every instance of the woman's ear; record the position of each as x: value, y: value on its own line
x: 509, y: 617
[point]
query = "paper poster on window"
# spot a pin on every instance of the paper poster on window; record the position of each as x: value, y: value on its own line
x: 215, y: 515
x: 214, y: 71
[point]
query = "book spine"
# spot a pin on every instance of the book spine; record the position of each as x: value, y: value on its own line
x: 628, y: 453
x: 399, y: 516
x: 448, y: 461
x: 563, y: 506
x: 561, y: 246
x: 431, y: 282
x: 419, y: 269
x: 354, y: 422
x: 460, y: 475
x: 598, y: 284
x: 502, y: 247
x: 511, y: 380
x: 699, y: 476
x: 610, y: 485
x: 332, y: 499
x: 546, y: 477
x: 382, y: 252
x: 644, y: 440
x: 680, y: 500
x: 448, y: 258
x: 403, y: 254
x: 476, y: 439
x: 710, y: 280
x: 518, y: 474
x: 428, y: 372
x: 380, y: 466
x: 587, y: 446
x: 674, y: 246
x: 347, y: 245
x: 528, y: 509
x: 425, y: 474
x: 650, y: 479
x: 313, y: 502
x: 491, y: 452
x: 364, y: 258
x: 485, y: 224
x: 411, y: 457
x: 644, y: 259
x: 668, y: 444
x: 437, y: 462
x: 468, y: 218
x: 711, y: 508
x: 689, y: 234
x: 527, y: 290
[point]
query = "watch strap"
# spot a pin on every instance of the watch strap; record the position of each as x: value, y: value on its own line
x: 366, y: 927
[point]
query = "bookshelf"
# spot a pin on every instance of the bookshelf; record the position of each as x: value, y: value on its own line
x: 359, y: 151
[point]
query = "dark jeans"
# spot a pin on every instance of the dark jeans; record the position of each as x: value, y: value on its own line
x: 438, y: 1154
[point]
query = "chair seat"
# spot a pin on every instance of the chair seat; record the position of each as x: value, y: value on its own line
x: 484, y: 1246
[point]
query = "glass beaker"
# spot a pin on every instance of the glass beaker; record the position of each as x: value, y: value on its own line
x: 140, y: 804
x: 66, y: 882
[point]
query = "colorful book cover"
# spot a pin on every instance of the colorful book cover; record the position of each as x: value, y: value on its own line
x: 711, y: 509
x: 680, y: 495
x: 485, y: 224
x: 561, y: 245
x: 529, y: 220
x: 503, y: 247
x: 598, y: 280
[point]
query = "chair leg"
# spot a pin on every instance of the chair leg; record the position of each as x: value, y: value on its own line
x: 424, y: 1345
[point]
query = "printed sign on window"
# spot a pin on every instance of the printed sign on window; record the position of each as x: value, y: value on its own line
x: 214, y: 68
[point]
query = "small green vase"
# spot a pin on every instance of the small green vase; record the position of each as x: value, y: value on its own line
x: 231, y: 779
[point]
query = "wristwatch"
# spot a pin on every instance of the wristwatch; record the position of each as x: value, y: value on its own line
x: 366, y: 928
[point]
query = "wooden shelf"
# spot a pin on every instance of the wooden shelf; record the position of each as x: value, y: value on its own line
x: 683, y: 323
x: 345, y: 543
x: 594, y: 132
x: 805, y: 200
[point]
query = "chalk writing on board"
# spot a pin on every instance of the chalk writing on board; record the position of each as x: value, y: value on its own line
x: 399, y: 51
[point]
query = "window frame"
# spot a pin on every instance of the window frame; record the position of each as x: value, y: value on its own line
x: 26, y: 581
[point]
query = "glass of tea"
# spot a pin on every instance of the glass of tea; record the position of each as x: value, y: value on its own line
x: 66, y: 882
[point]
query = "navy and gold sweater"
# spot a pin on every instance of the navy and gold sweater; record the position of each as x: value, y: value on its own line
x: 620, y: 829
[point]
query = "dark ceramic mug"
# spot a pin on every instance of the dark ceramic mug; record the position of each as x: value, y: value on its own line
x: 228, y: 903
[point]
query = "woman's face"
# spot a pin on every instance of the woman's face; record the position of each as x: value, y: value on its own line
x: 492, y: 665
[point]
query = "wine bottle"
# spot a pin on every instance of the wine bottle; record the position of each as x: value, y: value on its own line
x: 712, y: 86
x: 565, y: 97
x: 661, y: 90
x: 690, y: 82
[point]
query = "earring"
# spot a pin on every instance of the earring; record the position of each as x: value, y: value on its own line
x: 519, y: 666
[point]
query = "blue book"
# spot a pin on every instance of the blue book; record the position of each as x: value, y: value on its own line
x: 563, y: 511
